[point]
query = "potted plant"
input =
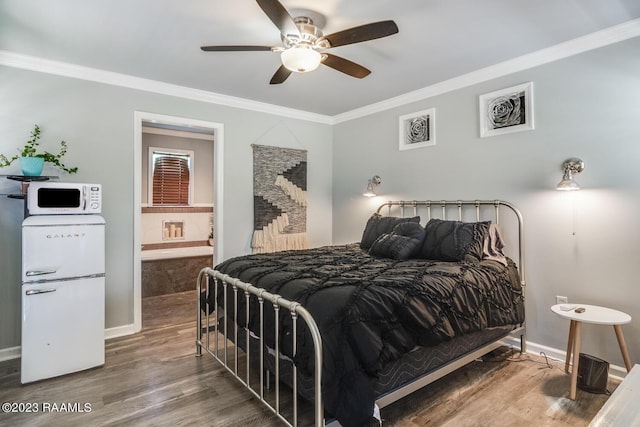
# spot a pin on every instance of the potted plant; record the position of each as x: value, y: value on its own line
x: 31, y: 161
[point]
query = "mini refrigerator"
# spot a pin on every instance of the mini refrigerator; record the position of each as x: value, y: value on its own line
x: 63, y: 275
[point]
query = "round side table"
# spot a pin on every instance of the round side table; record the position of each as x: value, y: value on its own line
x: 596, y: 315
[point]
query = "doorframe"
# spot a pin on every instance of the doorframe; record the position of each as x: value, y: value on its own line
x: 218, y: 163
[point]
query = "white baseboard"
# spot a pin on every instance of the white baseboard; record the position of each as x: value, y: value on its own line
x: 616, y: 372
x: 9, y: 353
x: 119, y: 331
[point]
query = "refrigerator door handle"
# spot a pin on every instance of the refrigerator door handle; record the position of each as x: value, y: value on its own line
x: 39, y: 291
x: 31, y: 273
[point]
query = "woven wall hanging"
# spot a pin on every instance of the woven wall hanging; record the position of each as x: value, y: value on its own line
x: 279, y: 199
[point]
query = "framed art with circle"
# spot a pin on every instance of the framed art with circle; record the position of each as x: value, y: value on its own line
x: 507, y: 110
x: 417, y: 130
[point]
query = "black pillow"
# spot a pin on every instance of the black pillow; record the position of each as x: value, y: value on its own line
x: 378, y: 225
x: 404, y: 241
x: 454, y: 240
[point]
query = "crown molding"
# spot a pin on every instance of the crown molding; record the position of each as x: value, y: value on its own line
x: 16, y: 60
x: 576, y: 46
x: 572, y: 47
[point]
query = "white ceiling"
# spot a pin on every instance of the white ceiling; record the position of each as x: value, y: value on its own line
x: 160, y: 40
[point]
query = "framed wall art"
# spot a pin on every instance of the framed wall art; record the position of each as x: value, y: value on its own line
x: 418, y: 129
x: 507, y: 110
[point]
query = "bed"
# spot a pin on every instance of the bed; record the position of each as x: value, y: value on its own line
x: 353, y: 328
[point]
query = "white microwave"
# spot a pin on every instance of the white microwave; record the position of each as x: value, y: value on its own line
x: 66, y: 198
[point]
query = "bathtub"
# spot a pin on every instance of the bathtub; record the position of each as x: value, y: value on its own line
x: 166, y: 271
x: 193, y: 251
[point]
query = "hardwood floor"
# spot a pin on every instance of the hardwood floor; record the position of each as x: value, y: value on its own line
x: 169, y: 310
x: 501, y: 391
x: 154, y: 378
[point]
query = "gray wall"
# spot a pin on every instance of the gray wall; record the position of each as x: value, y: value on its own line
x: 584, y: 245
x: 97, y: 121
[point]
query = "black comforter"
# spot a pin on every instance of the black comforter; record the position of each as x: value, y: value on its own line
x: 372, y: 310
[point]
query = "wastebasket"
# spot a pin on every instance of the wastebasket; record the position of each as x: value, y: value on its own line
x: 593, y: 374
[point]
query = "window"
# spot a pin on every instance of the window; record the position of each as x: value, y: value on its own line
x: 170, y: 177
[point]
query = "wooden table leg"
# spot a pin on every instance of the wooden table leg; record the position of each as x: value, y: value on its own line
x: 569, y: 345
x: 577, y: 341
x: 623, y: 347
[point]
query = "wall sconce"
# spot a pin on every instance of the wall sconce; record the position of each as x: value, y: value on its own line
x: 570, y: 167
x: 373, y: 182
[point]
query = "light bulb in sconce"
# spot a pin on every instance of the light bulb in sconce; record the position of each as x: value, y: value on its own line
x: 373, y: 182
x: 570, y: 167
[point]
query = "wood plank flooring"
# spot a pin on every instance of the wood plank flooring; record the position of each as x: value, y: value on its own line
x: 153, y: 378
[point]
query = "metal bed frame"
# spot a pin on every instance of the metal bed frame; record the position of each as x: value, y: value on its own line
x: 220, y: 351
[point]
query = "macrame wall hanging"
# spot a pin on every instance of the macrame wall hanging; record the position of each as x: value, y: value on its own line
x: 279, y: 199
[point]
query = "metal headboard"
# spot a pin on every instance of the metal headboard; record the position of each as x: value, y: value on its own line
x: 443, y: 208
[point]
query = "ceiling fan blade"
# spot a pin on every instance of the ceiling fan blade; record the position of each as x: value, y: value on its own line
x: 374, y: 30
x: 279, y: 16
x: 345, y: 66
x: 235, y: 48
x: 280, y: 76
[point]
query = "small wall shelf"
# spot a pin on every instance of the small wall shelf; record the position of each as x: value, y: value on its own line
x: 25, y: 180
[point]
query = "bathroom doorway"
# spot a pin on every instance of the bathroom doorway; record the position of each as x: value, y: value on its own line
x: 174, y: 237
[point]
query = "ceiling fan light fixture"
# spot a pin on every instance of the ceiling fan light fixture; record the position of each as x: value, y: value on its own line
x: 304, y: 44
x: 301, y: 59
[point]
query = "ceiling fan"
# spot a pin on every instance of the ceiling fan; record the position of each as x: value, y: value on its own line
x: 304, y: 44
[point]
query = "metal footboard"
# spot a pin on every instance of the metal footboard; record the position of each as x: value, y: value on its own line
x: 220, y: 351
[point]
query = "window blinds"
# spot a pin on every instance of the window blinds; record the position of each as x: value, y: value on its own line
x: 171, y: 180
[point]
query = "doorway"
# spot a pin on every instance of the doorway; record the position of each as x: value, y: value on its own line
x: 185, y: 127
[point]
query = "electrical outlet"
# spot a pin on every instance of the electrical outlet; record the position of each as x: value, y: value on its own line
x: 561, y: 300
